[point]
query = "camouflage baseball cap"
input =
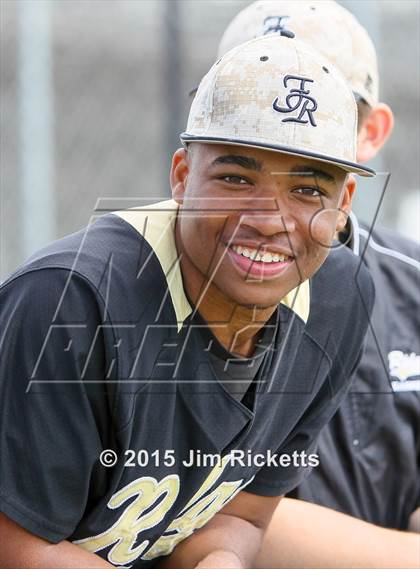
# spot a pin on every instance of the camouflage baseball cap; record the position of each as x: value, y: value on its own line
x: 323, y: 24
x: 278, y: 93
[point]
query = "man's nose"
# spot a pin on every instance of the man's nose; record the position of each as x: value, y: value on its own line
x: 268, y: 216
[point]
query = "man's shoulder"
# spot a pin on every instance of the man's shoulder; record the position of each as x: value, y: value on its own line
x: 387, y: 247
x: 73, y: 279
x: 88, y: 252
x: 393, y: 262
x: 342, y: 298
x: 340, y: 277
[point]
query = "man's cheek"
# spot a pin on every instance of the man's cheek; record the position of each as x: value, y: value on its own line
x: 200, y: 237
x: 323, y: 226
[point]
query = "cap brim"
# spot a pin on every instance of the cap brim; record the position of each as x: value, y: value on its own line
x: 351, y: 167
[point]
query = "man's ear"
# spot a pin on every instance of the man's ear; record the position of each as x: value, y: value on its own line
x: 346, y: 199
x: 374, y: 132
x: 179, y: 174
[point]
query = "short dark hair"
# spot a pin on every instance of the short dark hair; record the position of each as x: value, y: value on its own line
x: 363, y: 111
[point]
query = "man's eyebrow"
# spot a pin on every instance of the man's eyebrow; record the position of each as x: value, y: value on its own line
x: 244, y: 161
x: 310, y: 172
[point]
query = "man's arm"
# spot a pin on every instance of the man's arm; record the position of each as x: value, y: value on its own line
x: 49, y: 439
x: 302, y: 534
x: 230, y: 540
x: 23, y: 550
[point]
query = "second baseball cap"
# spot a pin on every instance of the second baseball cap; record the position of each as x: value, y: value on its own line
x: 277, y: 93
x: 323, y: 24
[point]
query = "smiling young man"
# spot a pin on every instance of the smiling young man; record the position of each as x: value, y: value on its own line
x: 166, y: 372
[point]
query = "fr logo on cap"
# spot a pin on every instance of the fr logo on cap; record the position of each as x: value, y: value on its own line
x: 303, y: 102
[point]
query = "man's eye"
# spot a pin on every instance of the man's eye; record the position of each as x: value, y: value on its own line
x: 311, y: 192
x: 237, y: 180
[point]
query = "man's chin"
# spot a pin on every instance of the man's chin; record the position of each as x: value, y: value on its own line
x: 256, y: 295
x: 259, y: 302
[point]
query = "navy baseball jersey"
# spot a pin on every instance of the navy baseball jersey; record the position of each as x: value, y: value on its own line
x: 116, y: 433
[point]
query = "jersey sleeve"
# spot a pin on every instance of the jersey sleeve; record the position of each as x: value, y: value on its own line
x: 281, y: 477
x: 51, y: 363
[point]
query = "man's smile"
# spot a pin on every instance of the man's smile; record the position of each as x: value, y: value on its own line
x: 261, y: 254
x: 260, y: 262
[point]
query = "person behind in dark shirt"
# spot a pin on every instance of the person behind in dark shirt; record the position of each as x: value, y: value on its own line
x: 370, y: 451
x: 122, y: 442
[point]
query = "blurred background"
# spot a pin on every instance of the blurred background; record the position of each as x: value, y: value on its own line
x: 94, y: 94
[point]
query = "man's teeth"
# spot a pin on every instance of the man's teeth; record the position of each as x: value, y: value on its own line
x: 255, y: 255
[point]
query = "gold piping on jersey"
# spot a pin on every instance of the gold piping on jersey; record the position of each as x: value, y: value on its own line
x: 156, y: 224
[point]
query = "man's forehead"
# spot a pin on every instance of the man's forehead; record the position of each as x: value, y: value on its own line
x: 259, y: 159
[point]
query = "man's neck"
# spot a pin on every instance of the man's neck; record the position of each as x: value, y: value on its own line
x: 236, y: 327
